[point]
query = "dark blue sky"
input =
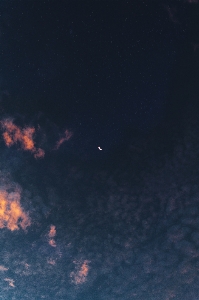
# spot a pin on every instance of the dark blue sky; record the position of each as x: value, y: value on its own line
x: 80, y: 223
x: 100, y: 68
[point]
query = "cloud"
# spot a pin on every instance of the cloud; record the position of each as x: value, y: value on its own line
x: 51, y: 235
x: 148, y: 227
x: 52, y: 243
x: 12, y: 215
x: 10, y: 282
x: 79, y: 276
x: 13, y: 134
x: 151, y: 234
x: 52, y: 231
x: 67, y: 135
x: 2, y: 268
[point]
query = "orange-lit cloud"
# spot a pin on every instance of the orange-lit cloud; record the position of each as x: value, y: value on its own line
x: 12, y: 215
x: 51, y: 235
x: 52, y: 231
x: 79, y: 276
x: 13, y: 134
x: 52, y: 243
x: 67, y: 135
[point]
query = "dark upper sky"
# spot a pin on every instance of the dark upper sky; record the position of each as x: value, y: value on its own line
x: 78, y: 222
x: 108, y: 70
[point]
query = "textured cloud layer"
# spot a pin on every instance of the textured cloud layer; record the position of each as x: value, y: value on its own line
x: 125, y: 235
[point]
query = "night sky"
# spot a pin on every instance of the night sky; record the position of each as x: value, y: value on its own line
x: 99, y: 150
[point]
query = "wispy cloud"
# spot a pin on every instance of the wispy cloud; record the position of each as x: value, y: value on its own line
x: 13, y: 134
x: 66, y: 136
